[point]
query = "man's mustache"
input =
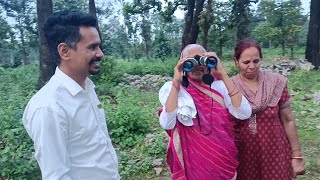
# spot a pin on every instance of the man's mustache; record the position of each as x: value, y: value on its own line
x: 94, y: 60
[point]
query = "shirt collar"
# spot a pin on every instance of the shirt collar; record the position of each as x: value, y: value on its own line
x: 71, y: 85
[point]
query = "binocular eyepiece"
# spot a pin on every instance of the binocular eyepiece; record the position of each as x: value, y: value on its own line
x: 190, y: 63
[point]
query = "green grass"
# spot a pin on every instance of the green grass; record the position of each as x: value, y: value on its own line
x: 307, y: 113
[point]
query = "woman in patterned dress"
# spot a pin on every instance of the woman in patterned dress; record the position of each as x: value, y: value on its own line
x: 268, y: 145
x: 198, y: 119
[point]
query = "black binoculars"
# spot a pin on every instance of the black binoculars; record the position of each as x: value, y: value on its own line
x: 190, y: 63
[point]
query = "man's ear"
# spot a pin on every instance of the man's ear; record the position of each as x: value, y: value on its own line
x: 64, y: 51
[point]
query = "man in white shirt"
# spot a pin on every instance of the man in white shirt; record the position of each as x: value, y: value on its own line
x: 64, y: 118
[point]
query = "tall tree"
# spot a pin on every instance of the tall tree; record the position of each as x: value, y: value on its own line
x: 241, y: 17
x: 47, y: 64
x: 312, y: 48
x: 163, y: 30
x: 285, y: 20
x: 25, y: 22
x: 161, y: 46
x: 206, y: 22
x: 92, y: 8
x: 146, y: 33
x: 4, y: 32
x: 5, y: 51
x: 220, y: 34
x: 192, y: 16
x: 93, y: 12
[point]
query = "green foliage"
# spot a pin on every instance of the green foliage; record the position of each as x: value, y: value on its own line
x: 107, y: 77
x: 303, y: 86
x: 220, y: 33
x: 116, y: 39
x: 129, y: 115
x: 149, y: 66
x: 240, y: 18
x: 4, y: 32
x: 25, y: 29
x: 282, y: 22
x: 171, y: 37
x: 59, y: 5
x: 162, y: 22
x: 17, y: 87
x: 271, y: 53
x: 161, y: 46
x: 137, y: 163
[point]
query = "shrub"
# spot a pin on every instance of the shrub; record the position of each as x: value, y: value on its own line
x: 16, y: 160
x: 129, y: 114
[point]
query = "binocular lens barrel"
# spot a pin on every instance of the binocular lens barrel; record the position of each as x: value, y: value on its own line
x: 190, y: 63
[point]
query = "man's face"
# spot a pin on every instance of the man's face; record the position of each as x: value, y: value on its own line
x: 86, y: 56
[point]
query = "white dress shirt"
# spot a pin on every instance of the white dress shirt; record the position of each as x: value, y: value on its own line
x: 68, y: 128
x: 186, y: 110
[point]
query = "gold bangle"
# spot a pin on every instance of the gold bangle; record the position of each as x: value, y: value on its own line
x: 297, y: 157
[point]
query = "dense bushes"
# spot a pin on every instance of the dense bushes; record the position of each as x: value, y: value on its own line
x: 16, y: 160
x: 129, y: 115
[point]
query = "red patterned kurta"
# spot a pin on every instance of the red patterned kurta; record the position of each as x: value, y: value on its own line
x: 264, y: 151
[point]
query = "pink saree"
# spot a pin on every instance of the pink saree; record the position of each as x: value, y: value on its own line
x: 205, y: 150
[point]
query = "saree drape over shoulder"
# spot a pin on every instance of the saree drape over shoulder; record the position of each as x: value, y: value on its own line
x: 205, y: 150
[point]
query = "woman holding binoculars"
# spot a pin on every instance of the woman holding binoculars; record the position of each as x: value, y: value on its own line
x: 199, y: 105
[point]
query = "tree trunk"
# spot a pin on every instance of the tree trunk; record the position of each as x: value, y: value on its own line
x: 220, y: 50
x: 242, y: 19
x: 313, y: 38
x: 23, y: 47
x: 195, y: 24
x: 270, y: 44
x: 188, y: 23
x: 283, y: 48
x: 47, y: 63
x: 93, y: 12
x: 315, y: 47
x: 207, y: 24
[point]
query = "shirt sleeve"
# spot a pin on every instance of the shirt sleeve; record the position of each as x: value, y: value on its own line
x: 48, y: 130
x: 185, y: 111
x: 168, y: 120
x: 285, y: 99
x: 243, y: 112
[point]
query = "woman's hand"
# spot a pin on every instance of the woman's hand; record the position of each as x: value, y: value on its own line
x: 218, y: 71
x: 178, y: 72
x: 298, y: 167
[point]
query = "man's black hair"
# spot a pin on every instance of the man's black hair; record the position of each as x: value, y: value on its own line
x: 64, y: 27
